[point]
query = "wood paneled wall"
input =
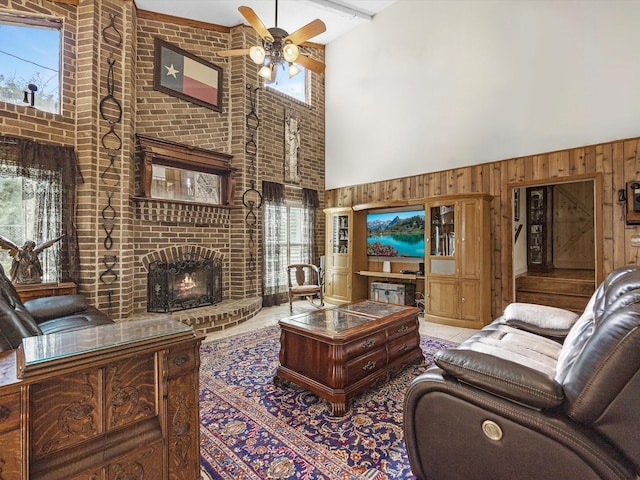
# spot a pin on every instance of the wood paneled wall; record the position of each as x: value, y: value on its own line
x: 611, y: 164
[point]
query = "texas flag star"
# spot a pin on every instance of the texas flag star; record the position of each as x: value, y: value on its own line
x: 171, y: 71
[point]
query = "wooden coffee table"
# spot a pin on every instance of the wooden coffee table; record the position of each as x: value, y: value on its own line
x: 340, y: 352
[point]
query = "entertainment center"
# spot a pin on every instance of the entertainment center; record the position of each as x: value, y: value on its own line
x: 449, y: 235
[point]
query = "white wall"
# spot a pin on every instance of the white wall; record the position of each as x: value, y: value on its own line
x: 438, y: 84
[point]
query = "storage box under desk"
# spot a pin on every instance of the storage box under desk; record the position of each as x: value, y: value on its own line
x: 398, y: 293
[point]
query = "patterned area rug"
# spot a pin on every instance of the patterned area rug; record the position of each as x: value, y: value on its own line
x: 253, y: 429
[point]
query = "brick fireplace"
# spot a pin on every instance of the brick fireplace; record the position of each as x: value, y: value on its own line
x: 114, y: 278
x: 187, y: 280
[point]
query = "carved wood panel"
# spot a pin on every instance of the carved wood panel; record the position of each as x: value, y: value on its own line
x: 145, y: 463
x: 10, y: 465
x: 183, y: 419
x: 130, y: 391
x: 64, y: 411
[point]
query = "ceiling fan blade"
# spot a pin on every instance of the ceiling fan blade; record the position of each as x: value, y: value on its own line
x: 310, y: 30
x: 233, y: 53
x: 310, y: 63
x: 253, y: 19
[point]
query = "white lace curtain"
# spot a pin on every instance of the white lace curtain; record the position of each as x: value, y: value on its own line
x: 50, y: 174
x: 274, y: 254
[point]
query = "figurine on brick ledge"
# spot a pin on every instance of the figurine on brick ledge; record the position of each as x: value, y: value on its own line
x: 26, y: 267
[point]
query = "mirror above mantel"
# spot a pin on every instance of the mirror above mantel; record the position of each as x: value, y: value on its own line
x: 184, y: 174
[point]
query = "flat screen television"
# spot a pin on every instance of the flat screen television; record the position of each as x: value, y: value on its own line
x: 395, y: 233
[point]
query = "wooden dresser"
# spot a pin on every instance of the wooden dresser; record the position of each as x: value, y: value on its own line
x: 112, y: 402
x: 340, y: 352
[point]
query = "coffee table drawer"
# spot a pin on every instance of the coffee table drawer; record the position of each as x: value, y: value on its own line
x: 365, y: 365
x: 402, y: 328
x: 400, y: 346
x: 364, y: 345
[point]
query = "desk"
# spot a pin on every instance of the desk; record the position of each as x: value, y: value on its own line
x: 384, y: 275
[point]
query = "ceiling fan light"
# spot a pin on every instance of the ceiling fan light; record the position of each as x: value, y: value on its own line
x: 290, y: 52
x: 257, y: 54
x: 266, y: 72
x: 293, y: 70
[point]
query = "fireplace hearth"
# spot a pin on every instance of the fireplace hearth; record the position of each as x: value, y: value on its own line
x: 188, y: 282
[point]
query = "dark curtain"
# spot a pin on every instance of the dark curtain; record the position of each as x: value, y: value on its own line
x: 58, y: 166
x: 310, y: 203
x: 274, y: 261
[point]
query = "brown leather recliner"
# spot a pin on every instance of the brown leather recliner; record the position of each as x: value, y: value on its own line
x: 43, y: 315
x: 509, y: 404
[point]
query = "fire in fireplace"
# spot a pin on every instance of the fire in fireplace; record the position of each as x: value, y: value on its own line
x: 189, y: 282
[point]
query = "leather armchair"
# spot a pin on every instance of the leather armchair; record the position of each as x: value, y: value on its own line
x: 513, y: 404
x: 43, y: 315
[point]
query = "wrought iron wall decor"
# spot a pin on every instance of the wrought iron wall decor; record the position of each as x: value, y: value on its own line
x: 251, y: 198
x: 110, y: 111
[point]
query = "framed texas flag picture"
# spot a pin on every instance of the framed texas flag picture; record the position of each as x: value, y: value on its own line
x: 183, y: 75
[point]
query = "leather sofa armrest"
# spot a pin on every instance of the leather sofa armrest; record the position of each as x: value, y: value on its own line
x: 46, y: 308
x: 499, y: 376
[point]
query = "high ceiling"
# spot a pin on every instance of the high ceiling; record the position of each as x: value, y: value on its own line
x: 340, y: 16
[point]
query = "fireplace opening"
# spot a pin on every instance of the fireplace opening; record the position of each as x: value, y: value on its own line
x: 189, y: 282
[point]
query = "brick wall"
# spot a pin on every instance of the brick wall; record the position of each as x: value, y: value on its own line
x: 107, y: 152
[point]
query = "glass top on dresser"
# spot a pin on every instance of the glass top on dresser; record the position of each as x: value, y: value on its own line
x: 53, y: 346
x: 342, y: 318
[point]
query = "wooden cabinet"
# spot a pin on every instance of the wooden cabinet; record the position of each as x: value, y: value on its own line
x: 458, y: 260
x: 540, y: 228
x: 109, y: 402
x: 345, y: 255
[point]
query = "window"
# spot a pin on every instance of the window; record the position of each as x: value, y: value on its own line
x: 288, y: 241
x: 30, y: 53
x: 295, y: 87
x: 27, y: 205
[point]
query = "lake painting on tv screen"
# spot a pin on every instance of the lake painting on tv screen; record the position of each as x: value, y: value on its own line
x: 395, y: 234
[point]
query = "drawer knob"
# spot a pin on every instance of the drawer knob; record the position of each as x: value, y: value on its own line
x: 403, y: 329
x: 369, y: 366
x: 403, y: 348
x: 181, y: 360
x: 368, y: 344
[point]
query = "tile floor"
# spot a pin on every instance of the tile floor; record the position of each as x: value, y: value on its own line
x: 270, y: 315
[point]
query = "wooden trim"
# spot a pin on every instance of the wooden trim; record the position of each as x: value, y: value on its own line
x: 162, y: 152
x: 416, y: 201
x: 173, y: 20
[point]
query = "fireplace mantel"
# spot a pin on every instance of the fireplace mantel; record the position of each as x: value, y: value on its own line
x: 154, y: 151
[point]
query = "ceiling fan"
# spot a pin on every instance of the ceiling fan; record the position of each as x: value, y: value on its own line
x: 279, y: 47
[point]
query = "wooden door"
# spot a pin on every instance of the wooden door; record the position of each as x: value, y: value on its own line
x: 338, y: 287
x: 573, y: 226
x: 470, y: 300
x: 442, y: 297
x: 470, y: 238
